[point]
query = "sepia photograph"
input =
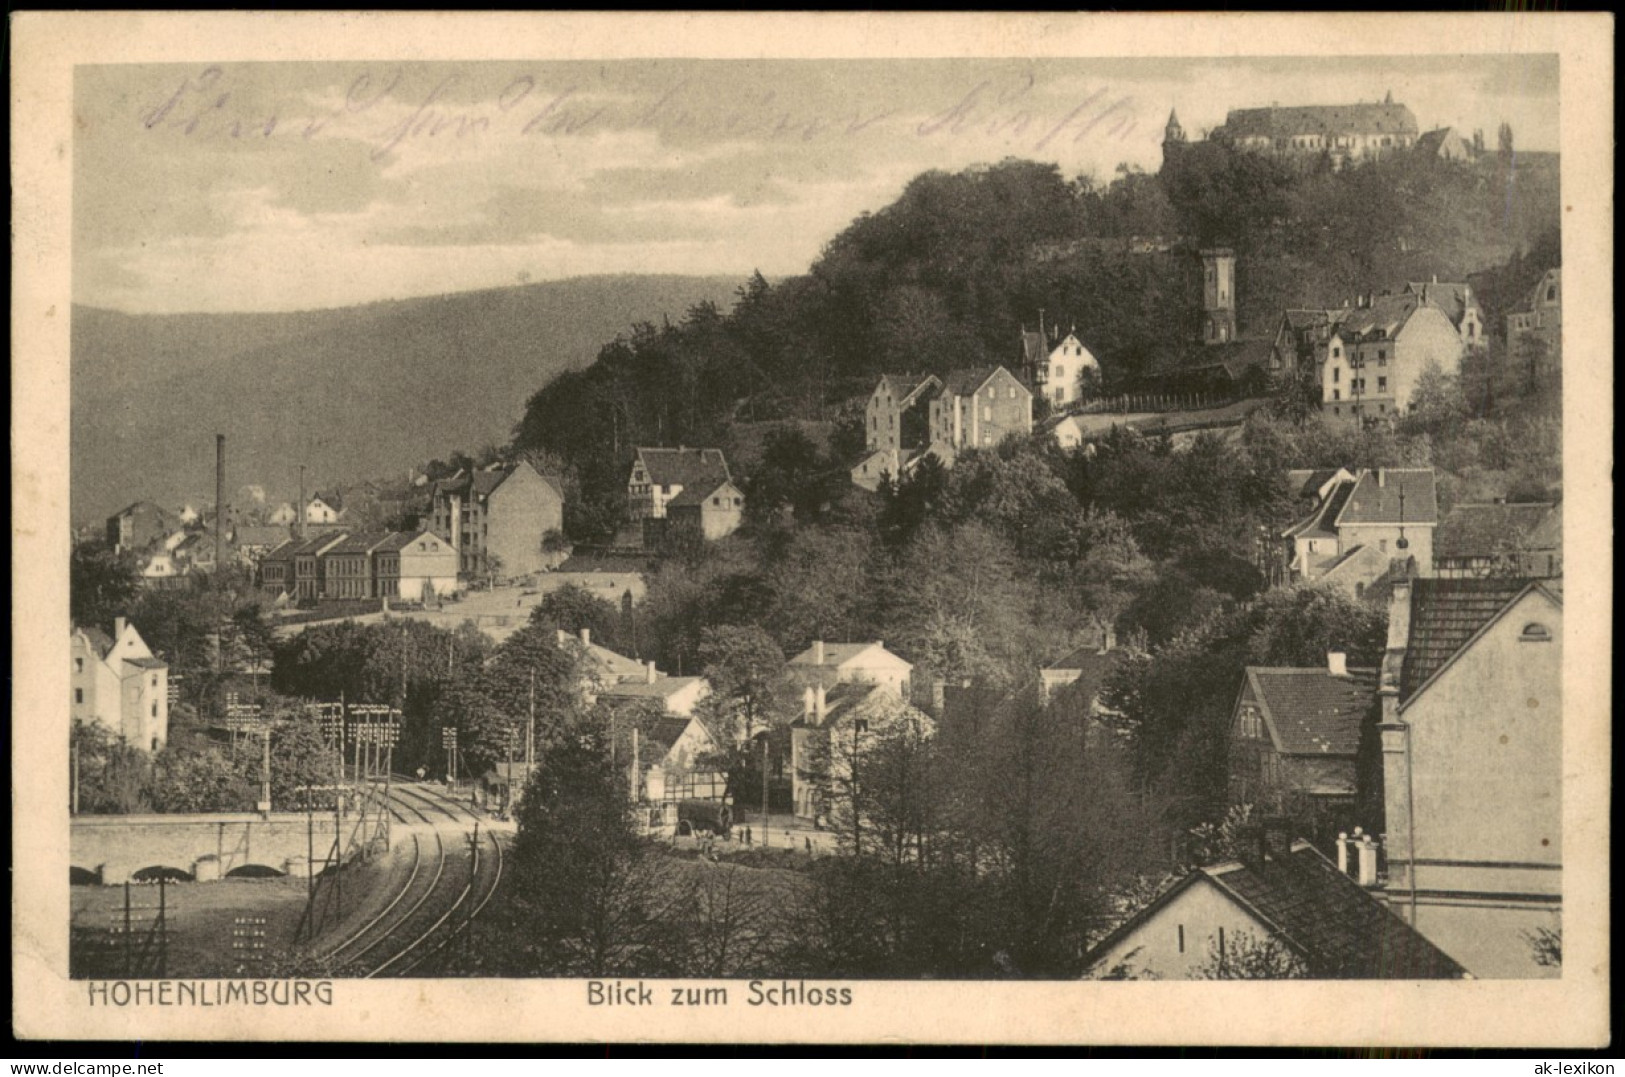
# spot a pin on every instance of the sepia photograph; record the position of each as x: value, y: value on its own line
x: 706, y: 531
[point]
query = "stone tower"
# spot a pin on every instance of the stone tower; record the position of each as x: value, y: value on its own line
x: 1218, y: 296
x: 1173, y: 136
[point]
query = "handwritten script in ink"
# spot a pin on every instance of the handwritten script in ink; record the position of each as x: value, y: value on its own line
x: 386, y: 112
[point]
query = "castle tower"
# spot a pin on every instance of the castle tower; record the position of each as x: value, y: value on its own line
x: 1218, y: 296
x: 1173, y: 136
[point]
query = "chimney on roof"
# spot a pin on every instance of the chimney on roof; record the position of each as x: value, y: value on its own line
x: 1382, y: 477
x: 820, y: 705
x: 649, y: 673
x: 1365, y: 849
x: 1337, y: 663
x: 807, y: 702
x: 818, y: 652
x: 586, y: 637
x: 118, y: 628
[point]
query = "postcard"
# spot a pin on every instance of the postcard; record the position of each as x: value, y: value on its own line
x: 812, y: 528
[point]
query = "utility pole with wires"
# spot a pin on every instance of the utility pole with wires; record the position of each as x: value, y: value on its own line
x: 766, y: 817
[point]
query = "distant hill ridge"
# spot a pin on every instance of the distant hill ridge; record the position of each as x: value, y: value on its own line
x: 350, y: 392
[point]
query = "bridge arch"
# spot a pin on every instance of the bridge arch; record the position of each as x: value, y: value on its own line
x: 255, y: 871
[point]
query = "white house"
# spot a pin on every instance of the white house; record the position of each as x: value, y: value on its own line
x: 119, y: 685
x: 1070, y: 372
x: 828, y: 664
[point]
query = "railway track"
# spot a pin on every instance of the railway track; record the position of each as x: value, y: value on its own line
x: 442, y: 893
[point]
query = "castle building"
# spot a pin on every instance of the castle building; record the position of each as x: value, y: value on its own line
x: 1342, y: 132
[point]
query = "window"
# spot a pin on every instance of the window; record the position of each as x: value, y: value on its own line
x: 1060, y: 372
x: 1337, y: 394
x: 1535, y: 632
x: 987, y: 438
x: 1181, y: 938
x: 987, y: 414
x: 1472, y: 329
x: 1382, y: 355
x: 78, y: 665
x: 1012, y: 392
x: 1382, y: 385
x: 1337, y: 352
x: 155, y: 680
x: 1382, y: 544
x: 155, y: 709
x: 78, y: 695
x: 861, y: 725
x: 1551, y: 293
x: 1337, y: 374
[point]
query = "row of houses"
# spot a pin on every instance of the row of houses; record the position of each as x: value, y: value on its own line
x: 119, y: 685
x: 336, y: 565
x: 1357, y: 525
x: 1457, y: 737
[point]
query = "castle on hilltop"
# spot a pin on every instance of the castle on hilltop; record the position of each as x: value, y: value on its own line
x: 1342, y: 132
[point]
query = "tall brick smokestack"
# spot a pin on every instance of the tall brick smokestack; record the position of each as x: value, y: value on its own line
x: 219, y: 498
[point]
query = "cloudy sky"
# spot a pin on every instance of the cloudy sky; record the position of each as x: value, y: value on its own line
x: 297, y: 186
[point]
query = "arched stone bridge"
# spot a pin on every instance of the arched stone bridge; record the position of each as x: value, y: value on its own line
x: 115, y: 847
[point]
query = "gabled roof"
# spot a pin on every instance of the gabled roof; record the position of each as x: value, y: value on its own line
x: 904, y: 387
x: 317, y: 544
x: 1452, y: 297
x: 1358, y: 558
x: 666, y: 731
x: 1306, y: 483
x: 99, y: 640
x: 1382, y: 319
x: 400, y: 540
x: 1445, y: 616
x: 700, y: 494
x: 357, y: 542
x: 1375, y: 499
x: 1480, y: 530
x: 1321, y: 523
x: 282, y: 551
x: 965, y: 382
x: 683, y: 467
x: 1338, y: 928
x: 1310, y: 711
x: 1327, y: 919
x: 663, y: 687
x: 838, y: 654
x: 332, y: 499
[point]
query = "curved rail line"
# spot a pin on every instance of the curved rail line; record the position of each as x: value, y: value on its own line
x: 479, y: 907
x: 417, y: 865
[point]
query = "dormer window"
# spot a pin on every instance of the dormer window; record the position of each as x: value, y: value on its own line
x: 1535, y: 632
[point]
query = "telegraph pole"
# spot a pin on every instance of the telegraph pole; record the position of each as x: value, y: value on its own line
x: 530, y: 728
x: 766, y: 818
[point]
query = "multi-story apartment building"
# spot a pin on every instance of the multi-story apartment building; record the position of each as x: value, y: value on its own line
x: 497, y: 517
x: 979, y: 408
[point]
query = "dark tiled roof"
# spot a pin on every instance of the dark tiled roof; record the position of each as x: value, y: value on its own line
x: 1321, y: 522
x: 1305, y: 319
x: 146, y: 663
x: 1481, y: 530
x: 965, y: 382
x: 283, y: 551
x: 1449, y: 296
x: 1312, y: 712
x: 332, y: 499
x: 1340, y: 930
x: 903, y: 386
x: 696, y: 495
x: 1033, y: 348
x: 1383, y: 319
x: 666, y: 731
x: 663, y: 688
x: 1375, y: 499
x: 1445, y: 614
x: 1326, y: 120
x: 99, y: 640
x: 684, y: 467
x: 359, y: 542
x: 1306, y: 483
x: 316, y: 543
x: 842, y: 699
